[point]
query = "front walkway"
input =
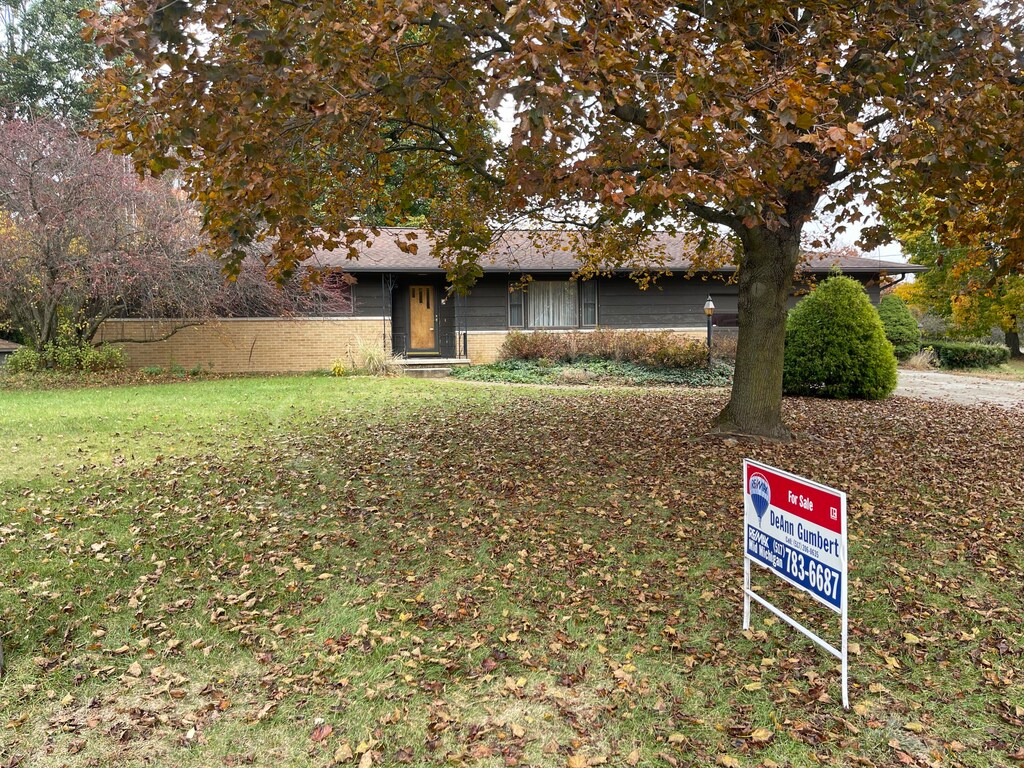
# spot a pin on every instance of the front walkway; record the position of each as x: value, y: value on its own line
x: 958, y: 388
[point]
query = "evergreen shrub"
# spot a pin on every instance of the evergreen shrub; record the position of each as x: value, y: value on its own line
x: 836, y: 345
x: 900, y: 327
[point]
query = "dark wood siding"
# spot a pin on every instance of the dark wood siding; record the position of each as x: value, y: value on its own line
x: 486, y: 306
x: 672, y: 302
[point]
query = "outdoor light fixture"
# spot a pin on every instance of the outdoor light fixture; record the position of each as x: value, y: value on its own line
x: 709, y: 310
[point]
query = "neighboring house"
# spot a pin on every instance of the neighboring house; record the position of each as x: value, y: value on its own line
x: 400, y: 300
x: 7, y: 348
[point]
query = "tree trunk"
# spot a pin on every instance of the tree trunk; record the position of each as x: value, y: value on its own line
x: 765, y: 283
x: 1013, y: 340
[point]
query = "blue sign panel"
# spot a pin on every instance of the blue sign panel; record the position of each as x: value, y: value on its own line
x: 804, y: 571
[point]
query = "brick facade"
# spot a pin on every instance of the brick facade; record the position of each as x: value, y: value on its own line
x: 243, y: 345
x: 483, y: 346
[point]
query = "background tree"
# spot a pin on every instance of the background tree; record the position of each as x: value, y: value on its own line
x: 740, y: 117
x: 83, y: 238
x: 973, y: 280
x: 44, y: 61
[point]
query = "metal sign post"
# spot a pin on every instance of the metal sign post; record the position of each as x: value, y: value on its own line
x: 796, y: 529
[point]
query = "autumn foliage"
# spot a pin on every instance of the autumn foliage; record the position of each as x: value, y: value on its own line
x: 655, y: 349
x: 290, y: 119
x: 83, y: 238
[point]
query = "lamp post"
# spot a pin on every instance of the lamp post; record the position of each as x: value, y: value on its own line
x: 709, y: 310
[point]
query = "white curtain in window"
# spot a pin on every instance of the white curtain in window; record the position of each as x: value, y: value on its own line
x: 552, y: 304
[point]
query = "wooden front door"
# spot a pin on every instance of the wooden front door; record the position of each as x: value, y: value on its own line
x: 422, y: 314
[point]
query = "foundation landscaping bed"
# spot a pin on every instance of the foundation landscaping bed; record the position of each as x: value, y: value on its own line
x: 322, y: 571
x: 632, y: 358
x: 604, y: 372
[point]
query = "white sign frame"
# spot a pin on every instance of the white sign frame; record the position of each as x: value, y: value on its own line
x: 800, y: 509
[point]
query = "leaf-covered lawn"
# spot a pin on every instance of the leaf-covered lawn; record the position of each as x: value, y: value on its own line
x: 435, y: 573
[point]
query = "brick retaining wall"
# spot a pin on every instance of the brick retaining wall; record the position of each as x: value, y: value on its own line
x: 242, y: 345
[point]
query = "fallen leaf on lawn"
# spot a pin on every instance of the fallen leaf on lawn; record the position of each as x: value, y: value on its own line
x: 633, y: 757
x: 343, y: 753
x: 911, y: 639
x: 577, y: 761
x: 914, y: 726
x: 761, y: 735
x: 752, y: 687
x: 728, y: 761
x: 321, y: 732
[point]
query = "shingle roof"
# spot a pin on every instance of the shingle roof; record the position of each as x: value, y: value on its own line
x: 552, y: 251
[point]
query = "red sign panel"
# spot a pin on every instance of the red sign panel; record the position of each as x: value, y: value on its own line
x: 811, y: 502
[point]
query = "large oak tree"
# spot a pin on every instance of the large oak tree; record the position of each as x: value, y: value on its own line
x: 744, y: 117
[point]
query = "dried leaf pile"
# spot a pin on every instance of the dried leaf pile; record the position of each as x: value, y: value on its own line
x: 540, y: 578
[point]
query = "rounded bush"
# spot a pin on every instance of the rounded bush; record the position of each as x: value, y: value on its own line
x: 900, y: 326
x: 836, y: 346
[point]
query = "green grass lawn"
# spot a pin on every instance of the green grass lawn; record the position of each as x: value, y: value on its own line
x: 1014, y: 369
x: 1010, y: 371
x: 313, y: 571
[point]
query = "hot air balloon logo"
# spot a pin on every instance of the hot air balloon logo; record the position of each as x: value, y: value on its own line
x: 760, y: 494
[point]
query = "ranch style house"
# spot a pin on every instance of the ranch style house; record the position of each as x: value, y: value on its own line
x: 400, y: 301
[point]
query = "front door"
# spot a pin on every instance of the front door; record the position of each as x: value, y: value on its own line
x: 422, y: 312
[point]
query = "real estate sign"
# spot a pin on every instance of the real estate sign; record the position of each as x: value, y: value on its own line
x: 796, y: 528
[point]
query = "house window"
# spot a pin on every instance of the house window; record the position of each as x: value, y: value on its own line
x: 553, y: 304
x: 588, y: 303
x: 515, y: 308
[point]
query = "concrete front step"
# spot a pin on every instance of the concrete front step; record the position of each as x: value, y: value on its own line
x: 432, y: 362
x: 431, y: 367
x: 423, y: 372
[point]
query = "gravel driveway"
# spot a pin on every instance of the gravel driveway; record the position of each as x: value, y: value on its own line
x: 955, y: 388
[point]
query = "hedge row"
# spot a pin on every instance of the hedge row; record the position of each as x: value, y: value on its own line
x: 653, y: 349
x: 67, y: 357
x: 965, y: 354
